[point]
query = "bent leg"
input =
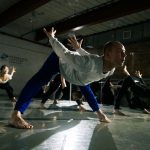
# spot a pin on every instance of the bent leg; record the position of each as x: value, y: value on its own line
x: 9, y: 91
x: 53, y: 86
x: 128, y: 82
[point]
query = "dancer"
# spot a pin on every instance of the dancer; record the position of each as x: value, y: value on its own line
x: 57, y: 84
x: 79, y: 68
x: 78, y: 97
x: 139, y: 89
x: 5, y: 77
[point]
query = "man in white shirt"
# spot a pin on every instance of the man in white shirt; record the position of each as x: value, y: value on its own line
x: 79, y: 68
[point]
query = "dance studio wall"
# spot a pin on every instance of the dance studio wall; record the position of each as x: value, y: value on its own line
x: 26, y: 57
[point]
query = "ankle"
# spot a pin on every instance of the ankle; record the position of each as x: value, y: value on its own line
x: 16, y: 113
x: 116, y: 110
x: 100, y: 113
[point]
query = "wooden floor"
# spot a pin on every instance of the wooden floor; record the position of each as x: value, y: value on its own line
x: 63, y: 127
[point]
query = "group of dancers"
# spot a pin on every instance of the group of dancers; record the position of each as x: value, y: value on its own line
x: 78, y: 67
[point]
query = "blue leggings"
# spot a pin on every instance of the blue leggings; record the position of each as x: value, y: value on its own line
x: 90, y: 97
x: 42, y: 77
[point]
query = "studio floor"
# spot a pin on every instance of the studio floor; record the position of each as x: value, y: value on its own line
x: 64, y: 127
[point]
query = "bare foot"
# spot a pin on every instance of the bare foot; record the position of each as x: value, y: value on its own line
x: 55, y: 102
x: 81, y: 108
x: 103, y: 117
x: 118, y: 112
x: 42, y: 106
x: 18, y: 122
x: 146, y: 111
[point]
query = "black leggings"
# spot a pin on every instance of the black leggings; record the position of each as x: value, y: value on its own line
x: 137, y: 89
x: 6, y: 86
x: 56, y: 83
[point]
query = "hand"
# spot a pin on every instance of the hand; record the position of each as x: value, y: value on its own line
x: 45, y: 88
x: 138, y: 74
x: 13, y: 69
x: 73, y: 42
x: 50, y: 33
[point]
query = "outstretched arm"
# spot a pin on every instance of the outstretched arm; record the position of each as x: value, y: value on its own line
x: 46, y: 87
x: 58, y: 47
x: 70, y: 57
x: 13, y: 71
x: 139, y: 75
x: 73, y: 42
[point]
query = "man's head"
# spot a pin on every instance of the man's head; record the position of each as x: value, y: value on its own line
x: 114, y: 53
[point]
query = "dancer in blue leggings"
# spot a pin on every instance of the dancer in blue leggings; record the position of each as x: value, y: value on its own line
x: 80, y: 68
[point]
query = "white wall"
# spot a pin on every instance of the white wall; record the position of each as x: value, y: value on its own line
x: 25, y: 56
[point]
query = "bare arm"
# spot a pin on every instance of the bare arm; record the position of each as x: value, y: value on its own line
x: 63, y: 82
x: 139, y: 75
x: 13, y: 71
x: 46, y: 87
x: 125, y: 71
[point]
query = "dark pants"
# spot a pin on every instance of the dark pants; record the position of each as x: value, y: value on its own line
x: 8, y: 88
x: 54, y: 85
x: 137, y: 89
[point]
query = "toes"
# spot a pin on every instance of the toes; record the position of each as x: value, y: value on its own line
x: 25, y: 125
x: 21, y: 124
x: 104, y: 118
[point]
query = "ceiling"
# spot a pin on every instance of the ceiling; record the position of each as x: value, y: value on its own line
x: 26, y: 18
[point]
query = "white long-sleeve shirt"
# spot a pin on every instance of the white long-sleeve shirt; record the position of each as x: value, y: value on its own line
x: 80, y: 67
